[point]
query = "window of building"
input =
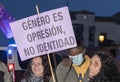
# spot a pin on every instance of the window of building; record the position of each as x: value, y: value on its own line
x: 78, y: 30
x: 91, y: 36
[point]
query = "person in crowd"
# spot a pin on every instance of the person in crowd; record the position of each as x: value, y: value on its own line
x: 75, y: 67
x: 38, y: 70
x: 102, y: 68
x: 4, y: 73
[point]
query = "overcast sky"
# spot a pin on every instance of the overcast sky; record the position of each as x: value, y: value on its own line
x: 24, y: 8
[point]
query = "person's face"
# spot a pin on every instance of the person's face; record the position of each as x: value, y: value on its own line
x: 76, y: 55
x: 37, y: 67
x: 95, y: 66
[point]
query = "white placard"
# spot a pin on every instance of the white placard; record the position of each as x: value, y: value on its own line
x: 44, y: 33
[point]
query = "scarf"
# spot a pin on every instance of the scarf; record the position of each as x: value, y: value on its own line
x: 35, y: 79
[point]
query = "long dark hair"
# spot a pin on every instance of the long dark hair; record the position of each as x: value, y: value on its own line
x: 46, y: 73
x: 108, y: 72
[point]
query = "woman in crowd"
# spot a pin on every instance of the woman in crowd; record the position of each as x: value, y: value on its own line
x: 38, y: 70
x: 102, y: 68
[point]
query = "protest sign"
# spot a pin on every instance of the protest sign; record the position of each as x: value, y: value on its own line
x: 44, y: 33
